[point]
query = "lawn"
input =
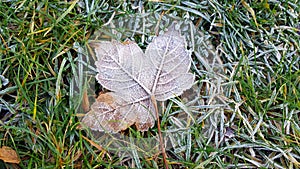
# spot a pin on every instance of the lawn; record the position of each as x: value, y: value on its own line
x: 243, y: 110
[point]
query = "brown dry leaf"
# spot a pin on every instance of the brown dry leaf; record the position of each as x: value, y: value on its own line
x: 85, y: 102
x: 133, y: 77
x: 9, y: 155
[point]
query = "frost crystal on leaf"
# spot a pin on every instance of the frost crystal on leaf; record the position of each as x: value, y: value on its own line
x: 133, y: 77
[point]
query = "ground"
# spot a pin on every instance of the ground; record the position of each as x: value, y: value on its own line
x: 243, y: 113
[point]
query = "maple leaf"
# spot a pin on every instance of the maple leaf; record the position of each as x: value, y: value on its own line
x: 135, y: 78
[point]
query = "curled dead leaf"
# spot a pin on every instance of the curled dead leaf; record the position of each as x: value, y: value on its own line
x: 9, y: 155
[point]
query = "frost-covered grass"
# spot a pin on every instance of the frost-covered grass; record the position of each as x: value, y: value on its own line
x: 245, y: 105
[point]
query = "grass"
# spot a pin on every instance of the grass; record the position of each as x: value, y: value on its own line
x: 245, y: 108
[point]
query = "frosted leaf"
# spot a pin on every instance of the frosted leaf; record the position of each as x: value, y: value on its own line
x: 134, y: 76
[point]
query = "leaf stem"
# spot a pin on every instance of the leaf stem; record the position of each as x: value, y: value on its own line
x: 161, y: 142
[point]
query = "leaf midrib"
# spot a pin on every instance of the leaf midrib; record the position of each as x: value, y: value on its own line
x: 160, y: 66
x: 130, y: 75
